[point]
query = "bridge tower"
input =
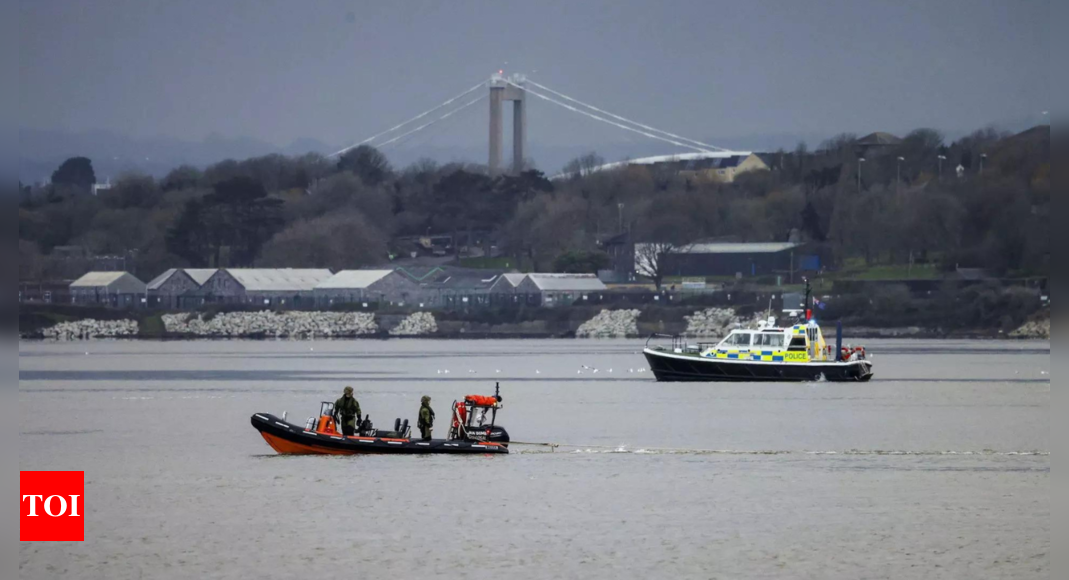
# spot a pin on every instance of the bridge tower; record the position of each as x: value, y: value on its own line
x: 502, y: 90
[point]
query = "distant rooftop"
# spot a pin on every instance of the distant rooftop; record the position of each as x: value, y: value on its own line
x: 737, y: 248
x: 514, y: 278
x: 353, y: 279
x: 98, y: 279
x: 681, y: 157
x: 566, y: 282
x: 198, y: 275
x: 879, y: 138
x: 279, y: 279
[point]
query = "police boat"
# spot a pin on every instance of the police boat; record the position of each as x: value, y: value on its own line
x: 767, y: 353
x: 473, y: 430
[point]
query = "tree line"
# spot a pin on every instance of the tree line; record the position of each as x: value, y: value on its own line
x: 903, y: 203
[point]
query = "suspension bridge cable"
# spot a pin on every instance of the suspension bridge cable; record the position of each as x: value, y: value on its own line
x: 428, y: 124
x: 614, y: 123
x: 424, y: 136
x: 413, y: 119
x: 619, y: 118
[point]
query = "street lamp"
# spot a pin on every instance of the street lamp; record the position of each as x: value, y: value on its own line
x: 941, y: 158
x: 860, y: 160
x: 620, y: 207
x: 982, y: 157
x: 898, y: 175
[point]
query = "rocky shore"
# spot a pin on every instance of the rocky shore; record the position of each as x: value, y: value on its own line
x: 89, y: 329
x: 610, y: 324
x: 1038, y: 328
x: 716, y: 323
x: 416, y: 324
x: 273, y: 324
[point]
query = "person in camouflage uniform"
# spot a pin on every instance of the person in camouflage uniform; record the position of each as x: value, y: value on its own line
x: 426, y: 418
x: 347, y: 412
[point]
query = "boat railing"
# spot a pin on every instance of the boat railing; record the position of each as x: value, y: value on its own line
x: 680, y: 344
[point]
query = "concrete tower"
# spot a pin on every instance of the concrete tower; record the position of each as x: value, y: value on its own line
x: 501, y: 91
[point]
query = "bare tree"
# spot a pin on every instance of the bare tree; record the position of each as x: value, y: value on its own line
x: 651, y: 260
x: 583, y: 165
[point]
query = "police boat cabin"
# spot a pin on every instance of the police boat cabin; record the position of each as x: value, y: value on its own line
x: 767, y: 353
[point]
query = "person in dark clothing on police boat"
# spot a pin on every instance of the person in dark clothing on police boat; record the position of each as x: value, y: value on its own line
x: 347, y: 412
x: 426, y: 418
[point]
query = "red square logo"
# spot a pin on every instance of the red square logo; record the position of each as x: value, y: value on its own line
x: 53, y: 506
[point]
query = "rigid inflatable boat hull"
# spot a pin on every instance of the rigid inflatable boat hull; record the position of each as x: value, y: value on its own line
x: 289, y: 439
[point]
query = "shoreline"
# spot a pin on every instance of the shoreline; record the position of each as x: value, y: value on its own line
x: 384, y: 336
x: 710, y: 324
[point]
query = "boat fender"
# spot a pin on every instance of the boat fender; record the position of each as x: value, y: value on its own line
x: 397, y: 424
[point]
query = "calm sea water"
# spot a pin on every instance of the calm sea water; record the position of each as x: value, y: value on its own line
x: 939, y: 468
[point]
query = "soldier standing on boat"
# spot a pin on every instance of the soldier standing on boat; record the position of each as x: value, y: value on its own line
x: 347, y: 412
x: 426, y: 418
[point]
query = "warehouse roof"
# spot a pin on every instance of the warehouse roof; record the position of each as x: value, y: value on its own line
x: 879, y: 138
x: 279, y: 279
x: 198, y: 275
x: 739, y: 248
x: 353, y: 279
x: 114, y: 281
x: 506, y: 282
x: 566, y: 282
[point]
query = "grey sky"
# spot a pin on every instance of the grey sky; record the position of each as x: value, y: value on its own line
x: 339, y: 70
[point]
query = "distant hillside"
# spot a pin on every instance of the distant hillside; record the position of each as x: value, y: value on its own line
x: 40, y: 152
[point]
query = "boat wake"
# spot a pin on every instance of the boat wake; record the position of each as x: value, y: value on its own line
x: 602, y: 449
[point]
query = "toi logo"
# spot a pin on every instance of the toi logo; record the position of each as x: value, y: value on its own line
x: 52, y: 506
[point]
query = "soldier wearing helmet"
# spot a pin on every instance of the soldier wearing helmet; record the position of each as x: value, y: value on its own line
x: 347, y: 412
x: 426, y: 418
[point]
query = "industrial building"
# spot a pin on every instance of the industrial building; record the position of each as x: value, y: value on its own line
x: 560, y: 289
x: 294, y: 288
x: 507, y: 283
x: 117, y: 289
x: 366, y: 286
x: 449, y: 287
x: 736, y: 259
x: 166, y: 289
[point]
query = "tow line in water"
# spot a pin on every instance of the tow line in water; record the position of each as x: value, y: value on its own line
x: 686, y: 451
